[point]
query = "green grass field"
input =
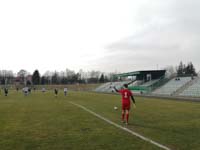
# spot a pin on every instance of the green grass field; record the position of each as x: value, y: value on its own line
x: 41, y: 121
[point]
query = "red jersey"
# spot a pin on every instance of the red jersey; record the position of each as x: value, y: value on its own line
x: 126, y: 94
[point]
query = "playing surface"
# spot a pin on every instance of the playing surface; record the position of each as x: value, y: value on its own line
x: 41, y: 121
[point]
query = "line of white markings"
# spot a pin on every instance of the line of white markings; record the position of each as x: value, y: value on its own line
x: 121, y: 127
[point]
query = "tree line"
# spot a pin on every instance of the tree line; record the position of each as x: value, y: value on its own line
x: 71, y: 77
x: 186, y: 70
x: 54, y: 77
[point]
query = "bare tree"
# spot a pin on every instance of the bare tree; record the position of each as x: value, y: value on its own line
x: 22, y: 75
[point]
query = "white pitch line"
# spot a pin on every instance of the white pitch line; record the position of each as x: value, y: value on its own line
x: 121, y: 127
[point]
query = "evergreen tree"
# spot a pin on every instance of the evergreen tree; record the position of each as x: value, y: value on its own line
x: 101, y: 79
x: 184, y: 70
x: 36, y: 77
x: 191, y: 69
x: 180, y: 69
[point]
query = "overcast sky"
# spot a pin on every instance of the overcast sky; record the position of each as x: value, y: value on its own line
x: 105, y: 35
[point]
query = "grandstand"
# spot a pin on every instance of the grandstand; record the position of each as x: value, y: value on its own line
x: 149, y: 83
x: 172, y: 86
x: 154, y: 82
x: 108, y: 87
x: 193, y: 90
x: 139, y: 81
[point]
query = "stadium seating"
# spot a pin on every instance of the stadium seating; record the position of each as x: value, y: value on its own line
x: 108, y: 87
x: 182, y: 86
x: 193, y: 90
x: 136, y: 83
x: 102, y: 87
x: 172, y: 86
x: 149, y: 83
x: 142, y: 87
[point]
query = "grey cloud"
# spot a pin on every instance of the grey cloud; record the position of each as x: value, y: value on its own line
x: 171, y: 34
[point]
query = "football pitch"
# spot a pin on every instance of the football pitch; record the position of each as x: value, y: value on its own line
x: 41, y: 121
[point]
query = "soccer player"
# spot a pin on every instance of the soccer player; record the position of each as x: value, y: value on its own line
x: 25, y: 91
x: 43, y: 90
x: 6, y: 91
x: 126, y: 95
x: 56, y: 92
x: 65, y: 91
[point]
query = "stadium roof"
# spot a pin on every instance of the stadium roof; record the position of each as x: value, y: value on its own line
x: 135, y: 73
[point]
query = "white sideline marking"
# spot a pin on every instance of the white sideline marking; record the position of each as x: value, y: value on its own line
x: 121, y: 127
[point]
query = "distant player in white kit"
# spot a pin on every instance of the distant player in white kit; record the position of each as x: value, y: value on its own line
x: 25, y: 91
x: 65, y: 91
x: 43, y: 90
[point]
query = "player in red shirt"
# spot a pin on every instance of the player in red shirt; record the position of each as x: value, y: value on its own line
x: 126, y: 95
